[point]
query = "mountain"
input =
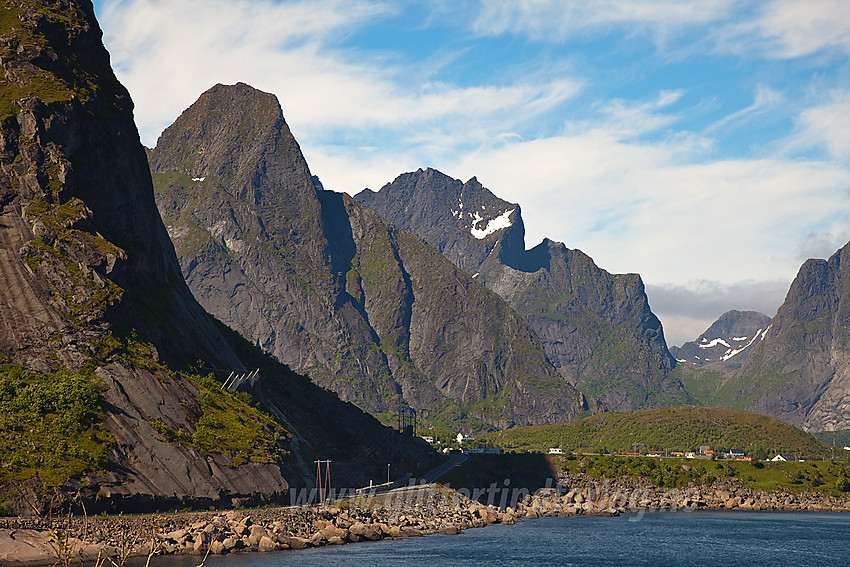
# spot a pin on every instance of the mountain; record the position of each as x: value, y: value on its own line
x: 110, y: 371
x: 333, y: 290
x: 800, y: 372
x: 596, y: 327
x: 727, y: 342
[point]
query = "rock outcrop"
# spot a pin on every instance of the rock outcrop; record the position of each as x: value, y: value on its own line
x: 596, y: 327
x: 91, y: 292
x: 332, y: 289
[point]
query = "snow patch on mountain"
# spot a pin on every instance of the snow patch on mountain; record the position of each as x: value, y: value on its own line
x: 501, y: 222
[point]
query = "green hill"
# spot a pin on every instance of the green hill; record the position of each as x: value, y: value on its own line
x: 676, y: 428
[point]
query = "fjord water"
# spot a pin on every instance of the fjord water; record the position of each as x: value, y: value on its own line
x: 661, y: 539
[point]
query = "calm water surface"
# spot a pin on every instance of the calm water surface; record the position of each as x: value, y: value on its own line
x: 665, y: 539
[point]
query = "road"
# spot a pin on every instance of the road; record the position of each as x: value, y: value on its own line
x: 434, y: 474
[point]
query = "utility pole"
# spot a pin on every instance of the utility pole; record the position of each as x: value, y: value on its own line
x: 323, y: 481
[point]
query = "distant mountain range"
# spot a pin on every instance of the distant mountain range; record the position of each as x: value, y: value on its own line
x: 331, y: 288
x: 596, y: 327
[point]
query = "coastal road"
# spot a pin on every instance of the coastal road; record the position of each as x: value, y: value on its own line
x: 434, y: 474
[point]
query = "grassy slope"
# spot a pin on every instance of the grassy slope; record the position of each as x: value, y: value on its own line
x: 534, y: 471
x: 676, y: 428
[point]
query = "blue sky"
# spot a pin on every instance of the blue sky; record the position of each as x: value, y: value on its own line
x: 703, y: 144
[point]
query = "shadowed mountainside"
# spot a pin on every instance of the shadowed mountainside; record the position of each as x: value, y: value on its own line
x: 100, y: 338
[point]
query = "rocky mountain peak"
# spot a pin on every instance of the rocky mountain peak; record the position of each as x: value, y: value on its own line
x: 727, y: 342
x: 464, y: 221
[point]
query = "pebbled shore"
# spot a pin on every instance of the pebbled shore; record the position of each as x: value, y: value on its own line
x: 414, y: 511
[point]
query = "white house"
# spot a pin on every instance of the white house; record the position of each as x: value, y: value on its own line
x: 783, y: 458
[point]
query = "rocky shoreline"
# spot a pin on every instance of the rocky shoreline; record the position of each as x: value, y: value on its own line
x: 413, y: 511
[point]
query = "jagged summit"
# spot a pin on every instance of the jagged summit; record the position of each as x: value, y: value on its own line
x: 464, y: 221
x: 332, y: 289
x: 727, y: 342
x: 597, y: 328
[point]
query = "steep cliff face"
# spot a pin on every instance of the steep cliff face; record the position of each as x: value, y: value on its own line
x: 332, y: 289
x: 597, y: 328
x: 96, y: 322
x: 800, y: 372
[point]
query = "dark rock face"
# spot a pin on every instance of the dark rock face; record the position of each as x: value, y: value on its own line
x: 597, y: 328
x: 463, y: 221
x: 85, y: 258
x: 799, y: 373
x: 331, y: 288
x: 726, y: 344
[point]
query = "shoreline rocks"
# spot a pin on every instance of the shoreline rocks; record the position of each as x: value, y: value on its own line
x: 410, y: 512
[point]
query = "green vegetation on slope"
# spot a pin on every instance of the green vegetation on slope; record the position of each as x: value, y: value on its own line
x: 676, y: 428
x: 823, y: 476
x: 53, y: 422
x: 62, y: 73
x: 838, y: 439
x: 229, y: 423
x: 52, y: 425
x: 534, y: 471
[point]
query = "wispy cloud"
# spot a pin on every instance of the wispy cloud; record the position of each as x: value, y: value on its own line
x: 764, y: 100
x: 556, y: 20
x: 825, y: 125
x: 795, y: 29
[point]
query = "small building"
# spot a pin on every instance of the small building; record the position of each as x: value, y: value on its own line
x: 705, y: 450
x: 655, y: 453
x: 780, y: 458
x: 461, y: 438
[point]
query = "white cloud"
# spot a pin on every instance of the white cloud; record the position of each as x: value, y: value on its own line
x: 795, y: 28
x: 636, y: 208
x: 167, y: 53
x: 825, y: 125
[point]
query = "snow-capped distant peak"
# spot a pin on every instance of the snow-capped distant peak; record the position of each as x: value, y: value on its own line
x: 498, y: 223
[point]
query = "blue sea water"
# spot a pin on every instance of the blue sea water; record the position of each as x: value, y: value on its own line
x: 662, y: 539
